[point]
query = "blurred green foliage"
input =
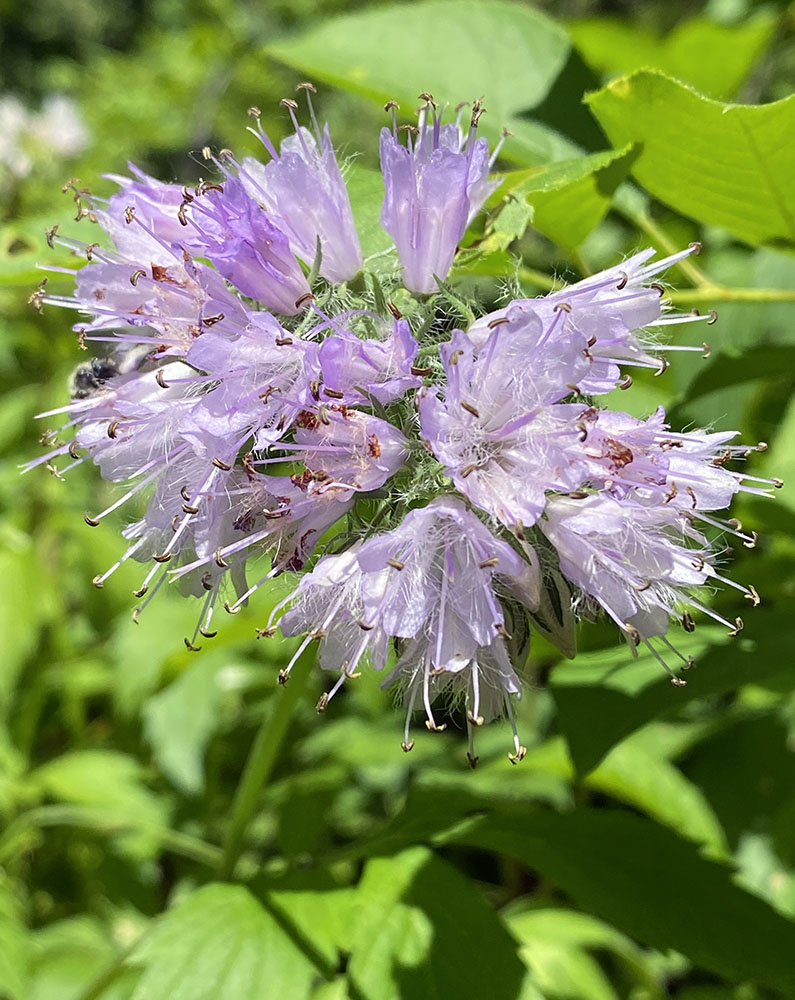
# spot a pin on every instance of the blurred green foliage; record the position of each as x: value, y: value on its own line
x: 645, y: 848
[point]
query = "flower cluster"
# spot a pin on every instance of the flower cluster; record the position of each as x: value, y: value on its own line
x: 432, y: 486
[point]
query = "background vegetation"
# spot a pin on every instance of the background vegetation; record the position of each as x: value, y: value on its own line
x: 645, y: 846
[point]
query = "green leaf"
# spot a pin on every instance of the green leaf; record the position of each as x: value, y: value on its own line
x: 179, y: 720
x: 455, y: 49
x: 725, y: 164
x: 14, y: 945
x: 714, y: 58
x: 421, y: 930
x: 729, y: 370
x: 70, y: 955
x: 571, y: 197
x: 654, y: 886
x: 603, y: 697
x: 220, y: 943
x: 112, y: 783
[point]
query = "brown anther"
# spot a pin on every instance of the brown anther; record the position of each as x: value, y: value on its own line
x: 333, y: 393
x: 394, y: 310
x: 207, y: 635
x: 592, y: 340
x: 409, y: 128
x: 678, y: 682
x: 625, y: 382
x: 73, y: 450
x: 502, y: 632
x: 417, y: 370
x: 212, y: 320
x: 90, y: 248
x: 391, y: 106
x: 319, y: 633
x: 687, y: 622
x: 207, y: 153
x: 81, y: 340
x: 266, y: 633
x: 190, y: 509
x: 431, y: 726
x: 468, y: 469
x: 663, y: 366
x: 738, y: 627
x: 753, y: 540
x: 183, y: 219
x: 672, y: 495
x: 160, y: 379
x: 487, y: 563
x: 395, y: 564
x: 364, y: 626
x: 640, y: 587
x: 659, y: 288
x: 254, y: 112
x: 129, y: 214
x: 284, y: 676
x: 497, y: 321
x: 713, y: 317
x: 696, y: 247
x: 189, y: 645
x: 323, y: 416
x: 49, y: 235
x: 113, y: 426
x: 470, y: 408
x: 455, y: 355
x: 778, y: 483
x: 92, y: 522
x: 322, y: 704
x: 140, y: 273
x: 693, y: 499
x: 223, y: 466
x: 573, y: 386
x: 162, y: 558
x: 735, y: 523
x: 407, y: 747
x: 476, y: 720
x: 583, y: 435
x: 175, y: 523
x: 98, y: 582
x: 288, y: 102
x: 762, y: 446
x: 306, y: 85
x: 753, y: 596
x: 520, y: 754
x: 632, y: 634
x: 230, y: 609
x: 283, y: 341
x: 561, y: 307
x: 477, y: 111
x: 141, y: 591
x: 473, y: 761
x: 578, y: 495
x: 707, y: 350
x: 225, y: 154
x: 302, y: 301
x: 136, y: 615
x: 219, y: 559
x: 207, y: 581
x: 624, y: 279
x: 428, y: 98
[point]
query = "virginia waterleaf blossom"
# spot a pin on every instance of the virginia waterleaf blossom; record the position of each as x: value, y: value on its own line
x: 432, y: 486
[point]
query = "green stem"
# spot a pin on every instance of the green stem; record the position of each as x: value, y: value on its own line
x: 718, y: 293
x: 98, y: 820
x: 261, y: 761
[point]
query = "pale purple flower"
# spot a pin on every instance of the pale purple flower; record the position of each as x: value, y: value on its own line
x: 613, y: 312
x: 381, y: 368
x: 435, y: 185
x: 228, y: 227
x: 498, y: 431
x: 304, y: 193
x: 639, y: 563
x: 430, y: 580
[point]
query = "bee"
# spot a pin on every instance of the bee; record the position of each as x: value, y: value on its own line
x: 90, y: 377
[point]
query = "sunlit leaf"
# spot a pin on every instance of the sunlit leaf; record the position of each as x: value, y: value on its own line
x: 726, y: 164
x: 220, y: 943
